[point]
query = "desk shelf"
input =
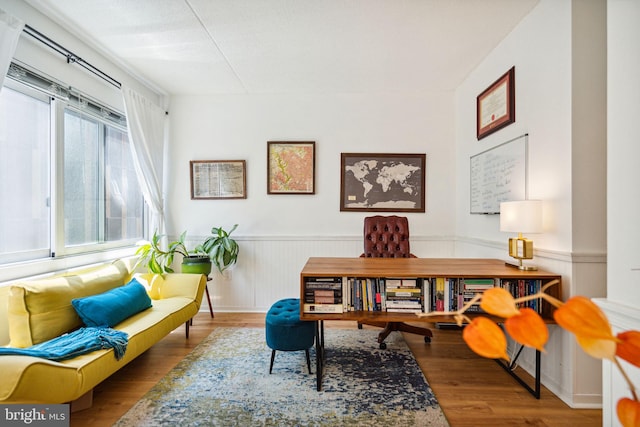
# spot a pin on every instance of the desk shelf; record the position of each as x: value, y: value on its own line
x: 425, y: 270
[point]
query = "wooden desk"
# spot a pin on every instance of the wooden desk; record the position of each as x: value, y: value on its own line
x: 428, y: 268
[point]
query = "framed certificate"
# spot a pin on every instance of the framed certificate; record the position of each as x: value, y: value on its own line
x: 496, y: 106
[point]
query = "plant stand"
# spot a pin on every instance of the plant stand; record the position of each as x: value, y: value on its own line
x: 206, y: 288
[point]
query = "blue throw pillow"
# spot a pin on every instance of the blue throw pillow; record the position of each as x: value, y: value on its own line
x: 113, y: 306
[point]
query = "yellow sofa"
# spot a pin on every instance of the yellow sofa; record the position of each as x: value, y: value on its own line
x: 39, y: 310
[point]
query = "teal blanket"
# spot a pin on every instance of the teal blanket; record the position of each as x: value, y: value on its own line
x: 81, y: 341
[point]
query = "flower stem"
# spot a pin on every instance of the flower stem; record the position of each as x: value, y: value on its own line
x: 626, y: 378
x: 458, y: 315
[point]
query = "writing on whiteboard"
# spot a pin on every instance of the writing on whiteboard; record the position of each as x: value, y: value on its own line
x: 498, y: 175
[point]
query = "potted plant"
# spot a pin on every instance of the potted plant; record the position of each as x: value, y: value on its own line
x: 220, y: 247
x: 159, y: 260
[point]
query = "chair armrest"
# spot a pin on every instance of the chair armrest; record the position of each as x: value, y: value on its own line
x: 17, y: 370
x: 183, y: 285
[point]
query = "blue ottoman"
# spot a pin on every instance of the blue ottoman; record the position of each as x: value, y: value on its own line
x: 286, y: 332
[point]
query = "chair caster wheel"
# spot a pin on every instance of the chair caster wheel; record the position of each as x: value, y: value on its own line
x: 383, y: 346
x: 427, y: 339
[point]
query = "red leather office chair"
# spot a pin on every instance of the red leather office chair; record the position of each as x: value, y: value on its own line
x: 388, y: 237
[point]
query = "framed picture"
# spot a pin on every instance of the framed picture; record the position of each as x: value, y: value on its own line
x: 291, y: 167
x: 382, y: 182
x: 218, y: 179
x: 496, y: 106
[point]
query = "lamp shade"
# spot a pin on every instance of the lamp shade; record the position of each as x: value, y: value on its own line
x: 524, y: 216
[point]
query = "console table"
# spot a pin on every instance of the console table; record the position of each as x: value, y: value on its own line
x: 420, y: 268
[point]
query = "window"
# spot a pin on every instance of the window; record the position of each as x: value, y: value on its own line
x: 124, y: 201
x: 82, y: 193
x: 25, y: 216
x: 92, y: 201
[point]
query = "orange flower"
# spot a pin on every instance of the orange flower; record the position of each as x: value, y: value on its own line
x: 600, y: 349
x: 499, y: 302
x: 528, y: 328
x: 628, y: 412
x: 629, y: 347
x: 485, y: 338
x: 582, y: 317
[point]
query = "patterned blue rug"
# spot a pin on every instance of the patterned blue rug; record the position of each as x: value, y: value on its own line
x: 225, y: 381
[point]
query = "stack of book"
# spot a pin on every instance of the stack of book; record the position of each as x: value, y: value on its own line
x: 403, y: 296
x: 470, y: 287
x: 323, y: 295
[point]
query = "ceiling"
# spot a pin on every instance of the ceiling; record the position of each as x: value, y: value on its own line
x: 293, y: 46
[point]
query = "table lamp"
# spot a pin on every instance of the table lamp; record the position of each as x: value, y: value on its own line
x: 524, y: 216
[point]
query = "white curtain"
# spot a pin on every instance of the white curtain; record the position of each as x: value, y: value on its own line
x: 10, y: 30
x: 146, y: 123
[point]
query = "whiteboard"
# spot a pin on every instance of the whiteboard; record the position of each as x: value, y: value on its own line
x: 499, y: 175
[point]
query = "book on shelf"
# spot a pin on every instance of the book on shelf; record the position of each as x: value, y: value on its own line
x: 323, y: 282
x: 406, y: 292
x: 408, y: 303
x: 404, y: 310
x: 323, y: 296
x: 427, y: 296
x: 439, y: 294
x: 401, y: 283
x: 323, y: 308
x: 478, y: 283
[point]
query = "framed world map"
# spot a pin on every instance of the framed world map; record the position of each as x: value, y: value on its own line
x: 382, y: 182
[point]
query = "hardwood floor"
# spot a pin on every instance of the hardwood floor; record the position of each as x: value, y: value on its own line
x: 472, y: 391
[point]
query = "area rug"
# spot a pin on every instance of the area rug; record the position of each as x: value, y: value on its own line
x: 225, y: 381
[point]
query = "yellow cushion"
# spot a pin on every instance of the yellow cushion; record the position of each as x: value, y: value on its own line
x: 41, y: 310
x: 183, y: 285
x: 152, y: 282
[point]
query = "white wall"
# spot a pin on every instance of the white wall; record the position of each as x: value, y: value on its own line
x: 623, y: 152
x: 239, y: 126
x: 278, y: 233
x: 566, y: 141
x: 623, y: 203
x: 540, y: 49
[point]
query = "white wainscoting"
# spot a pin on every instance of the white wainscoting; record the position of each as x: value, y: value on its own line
x: 268, y: 268
x: 614, y: 387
